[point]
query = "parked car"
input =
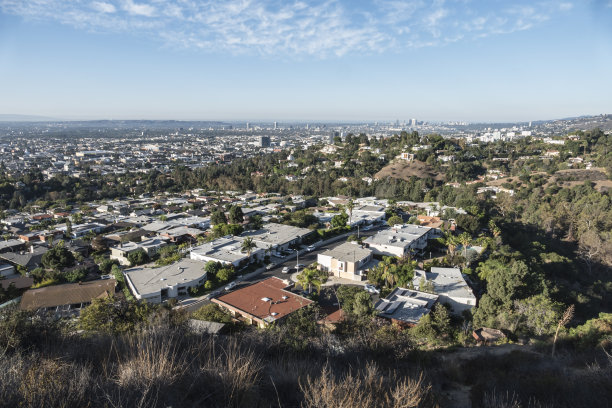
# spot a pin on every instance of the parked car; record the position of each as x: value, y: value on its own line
x: 371, y: 288
x: 285, y: 269
x: 231, y: 286
x: 367, y: 228
x: 269, y: 266
x: 310, y: 248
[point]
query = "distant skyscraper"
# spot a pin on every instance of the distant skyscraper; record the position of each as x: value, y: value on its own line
x: 275, y: 125
x: 247, y: 125
x: 413, y: 122
x: 264, y: 141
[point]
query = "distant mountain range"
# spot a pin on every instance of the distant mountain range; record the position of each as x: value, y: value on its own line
x: 25, y: 118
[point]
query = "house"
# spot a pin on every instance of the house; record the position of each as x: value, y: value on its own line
x: 18, y: 281
x: 450, y: 285
x: 66, y: 300
x: 30, y: 259
x: 149, y: 246
x: 277, y: 237
x: 227, y: 250
x: 347, y: 261
x: 156, y: 285
x: 262, y: 303
x: 11, y: 245
x: 400, y: 240
x: 6, y: 270
x: 405, y: 306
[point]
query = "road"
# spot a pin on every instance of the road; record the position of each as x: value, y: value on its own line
x: 307, y: 258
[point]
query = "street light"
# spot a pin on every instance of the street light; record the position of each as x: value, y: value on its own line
x: 297, y: 260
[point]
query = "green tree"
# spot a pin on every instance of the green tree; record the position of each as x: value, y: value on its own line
x: 212, y: 313
x: 114, y: 315
x: 362, y: 304
x: 339, y: 220
x: 218, y: 217
x: 310, y: 277
x: 138, y: 257
x: 539, y: 313
x: 247, y: 246
x: 235, y: 215
x: 394, y: 220
x: 58, y: 257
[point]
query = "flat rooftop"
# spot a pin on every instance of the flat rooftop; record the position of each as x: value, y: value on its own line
x: 224, y: 249
x: 149, y: 281
x: 447, y: 281
x: 406, y: 305
x: 348, y: 252
x: 275, y: 234
x: 398, y: 235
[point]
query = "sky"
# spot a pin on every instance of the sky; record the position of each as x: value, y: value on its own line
x: 323, y: 60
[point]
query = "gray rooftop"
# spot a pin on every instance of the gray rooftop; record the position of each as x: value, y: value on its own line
x: 151, y: 280
x: 447, y: 281
x: 406, y: 305
x: 348, y: 252
x: 223, y: 249
x: 275, y: 234
x: 398, y: 235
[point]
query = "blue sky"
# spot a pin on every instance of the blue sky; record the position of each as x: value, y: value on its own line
x: 306, y: 60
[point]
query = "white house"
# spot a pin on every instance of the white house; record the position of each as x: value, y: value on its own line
x: 400, y: 240
x: 450, y: 285
x: 226, y: 250
x: 156, y: 285
x: 149, y: 246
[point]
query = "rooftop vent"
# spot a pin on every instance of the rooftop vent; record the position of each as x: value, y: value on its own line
x: 266, y: 299
x: 273, y: 313
x: 285, y: 297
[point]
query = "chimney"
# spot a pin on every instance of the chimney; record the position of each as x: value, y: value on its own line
x: 32, y: 249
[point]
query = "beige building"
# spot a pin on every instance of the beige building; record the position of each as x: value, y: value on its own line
x: 347, y: 261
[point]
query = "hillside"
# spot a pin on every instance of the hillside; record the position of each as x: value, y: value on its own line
x: 404, y: 170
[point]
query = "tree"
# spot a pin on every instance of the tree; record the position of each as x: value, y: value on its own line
x: 565, y: 319
x: 235, y: 215
x: 114, y: 315
x: 138, y: 257
x: 349, y: 206
x: 394, y: 220
x: 465, y: 239
x: 539, y: 312
x: 247, y: 246
x: 212, y: 313
x: 339, y: 220
x: 362, y: 304
x: 218, y: 217
x: 58, y: 257
x: 311, y: 276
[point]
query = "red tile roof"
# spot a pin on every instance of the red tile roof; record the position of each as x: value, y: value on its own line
x: 250, y: 300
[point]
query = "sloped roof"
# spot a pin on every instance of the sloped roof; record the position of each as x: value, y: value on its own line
x: 67, y: 294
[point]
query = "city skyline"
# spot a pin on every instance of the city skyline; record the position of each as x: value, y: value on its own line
x: 316, y: 61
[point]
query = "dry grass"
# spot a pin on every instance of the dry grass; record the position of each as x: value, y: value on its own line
x: 366, y: 388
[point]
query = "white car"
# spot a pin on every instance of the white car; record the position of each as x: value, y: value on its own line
x: 285, y: 270
x: 231, y: 286
x: 310, y: 248
x: 269, y: 266
x: 371, y: 288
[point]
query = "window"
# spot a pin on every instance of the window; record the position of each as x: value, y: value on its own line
x: 340, y: 266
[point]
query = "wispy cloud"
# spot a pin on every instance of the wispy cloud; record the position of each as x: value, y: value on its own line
x: 320, y: 28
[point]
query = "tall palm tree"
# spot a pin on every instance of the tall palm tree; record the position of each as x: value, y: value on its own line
x: 310, y: 277
x: 451, y: 243
x: 465, y: 239
x: 349, y: 206
x: 247, y: 246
